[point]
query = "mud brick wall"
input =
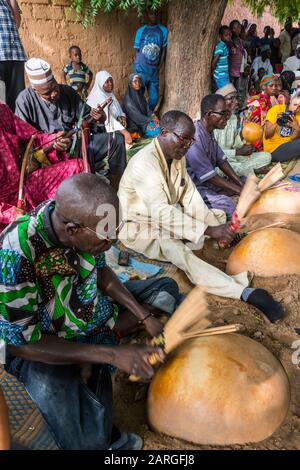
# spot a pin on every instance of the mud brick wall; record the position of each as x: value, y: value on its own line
x: 49, y: 28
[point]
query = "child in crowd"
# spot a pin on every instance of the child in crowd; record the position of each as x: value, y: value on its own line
x: 76, y: 73
x: 220, y: 60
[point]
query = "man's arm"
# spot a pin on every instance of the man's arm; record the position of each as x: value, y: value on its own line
x: 110, y: 285
x: 229, y: 171
x: 58, y: 351
x: 16, y: 12
x: 223, y: 183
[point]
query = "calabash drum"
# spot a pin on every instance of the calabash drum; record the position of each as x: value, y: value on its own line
x: 221, y: 389
x: 252, y: 132
x: 277, y: 200
x: 267, y: 252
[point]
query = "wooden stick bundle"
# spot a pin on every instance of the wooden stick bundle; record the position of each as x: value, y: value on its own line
x: 192, y: 310
x: 249, y: 194
x: 218, y: 330
x: 271, y: 178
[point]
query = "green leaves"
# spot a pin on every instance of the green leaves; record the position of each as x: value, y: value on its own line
x: 87, y: 9
x: 280, y: 8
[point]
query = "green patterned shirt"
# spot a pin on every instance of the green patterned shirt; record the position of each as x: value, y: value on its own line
x: 48, y: 288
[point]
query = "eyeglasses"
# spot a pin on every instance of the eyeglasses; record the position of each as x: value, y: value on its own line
x: 186, y: 142
x: 222, y: 113
x: 102, y: 237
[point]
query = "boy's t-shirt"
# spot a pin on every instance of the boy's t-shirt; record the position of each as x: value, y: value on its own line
x: 150, y: 40
x: 221, y: 70
x: 77, y: 78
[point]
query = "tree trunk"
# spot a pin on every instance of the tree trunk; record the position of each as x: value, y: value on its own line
x: 193, y: 32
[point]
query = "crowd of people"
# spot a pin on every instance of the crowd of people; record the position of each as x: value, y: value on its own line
x: 62, y: 309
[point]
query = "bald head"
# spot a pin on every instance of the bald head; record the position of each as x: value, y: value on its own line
x: 176, y: 134
x: 173, y: 120
x: 79, y: 197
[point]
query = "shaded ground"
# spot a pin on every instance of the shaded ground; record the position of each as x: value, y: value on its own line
x: 130, y: 398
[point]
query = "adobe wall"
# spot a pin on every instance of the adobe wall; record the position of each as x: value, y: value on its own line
x: 49, y: 28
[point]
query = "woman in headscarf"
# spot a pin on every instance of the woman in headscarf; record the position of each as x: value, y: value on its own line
x: 259, y: 105
x: 103, y: 91
x: 139, y: 117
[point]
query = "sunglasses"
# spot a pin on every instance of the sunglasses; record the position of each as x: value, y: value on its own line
x: 221, y: 113
x: 186, y: 142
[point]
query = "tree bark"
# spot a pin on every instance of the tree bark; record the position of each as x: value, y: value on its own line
x: 193, y: 32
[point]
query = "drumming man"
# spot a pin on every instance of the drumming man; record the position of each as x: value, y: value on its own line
x: 166, y: 217
x: 57, y: 318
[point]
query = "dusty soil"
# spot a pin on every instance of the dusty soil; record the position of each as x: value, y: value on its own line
x: 130, y: 398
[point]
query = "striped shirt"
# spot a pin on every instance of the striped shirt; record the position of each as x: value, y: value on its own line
x: 221, y: 70
x: 11, y: 47
x: 77, y: 78
x: 48, y: 288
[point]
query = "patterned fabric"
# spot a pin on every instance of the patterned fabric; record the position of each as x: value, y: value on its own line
x: 40, y: 184
x: 10, y: 43
x: 258, y: 106
x: 229, y: 140
x: 46, y: 288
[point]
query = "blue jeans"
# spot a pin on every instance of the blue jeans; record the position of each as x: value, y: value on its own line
x: 150, y: 81
x: 79, y: 415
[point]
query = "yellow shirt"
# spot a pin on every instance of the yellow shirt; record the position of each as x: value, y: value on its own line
x: 270, y: 145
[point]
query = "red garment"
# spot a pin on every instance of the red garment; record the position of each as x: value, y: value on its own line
x: 258, y: 106
x: 41, y: 184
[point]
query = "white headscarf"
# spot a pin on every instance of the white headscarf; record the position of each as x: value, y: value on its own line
x: 98, y: 95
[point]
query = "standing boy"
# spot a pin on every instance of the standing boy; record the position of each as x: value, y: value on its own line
x: 220, y: 60
x: 150, y: 41
x: 76, y: 73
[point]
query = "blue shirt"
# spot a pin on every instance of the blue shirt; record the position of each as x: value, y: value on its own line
x: 221, y: 70
x: 150, y: 40
x: 11, y: 47
x: 203, y: 157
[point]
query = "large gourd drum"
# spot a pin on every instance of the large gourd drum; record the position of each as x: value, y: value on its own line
x: 221, y: 390
x: 252, y: 132
x: 277, y: 200
x: 267, y: 252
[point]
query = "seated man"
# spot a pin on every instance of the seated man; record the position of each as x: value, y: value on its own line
x: 205, y: 156
x: 40, y: 183
x: 58, y: 321
x: 166, y: 217
x: 239, y: 155
x: 51, y: 107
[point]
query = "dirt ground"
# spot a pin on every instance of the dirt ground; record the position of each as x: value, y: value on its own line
x: 130, y: 398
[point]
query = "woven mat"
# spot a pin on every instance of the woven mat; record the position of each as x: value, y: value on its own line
x: 26, y: 423
x: 167, y: 269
